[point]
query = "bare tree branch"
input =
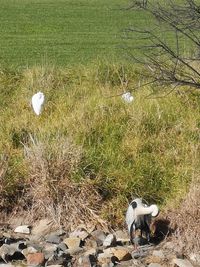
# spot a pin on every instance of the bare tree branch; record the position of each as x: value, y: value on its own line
x: 169, y: 61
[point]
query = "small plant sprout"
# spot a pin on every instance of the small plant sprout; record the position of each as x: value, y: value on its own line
x: 37, y: 102
x: 127, y: 97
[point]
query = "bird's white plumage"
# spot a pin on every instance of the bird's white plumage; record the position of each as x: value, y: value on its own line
x: 127, y: 97
x: 142, y: 209
x: 155, y: 210
x: 37, y: 102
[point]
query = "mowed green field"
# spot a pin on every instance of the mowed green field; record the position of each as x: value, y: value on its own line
x: 62, y: 32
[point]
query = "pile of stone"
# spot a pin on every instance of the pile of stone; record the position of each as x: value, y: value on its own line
x: 42, y: 246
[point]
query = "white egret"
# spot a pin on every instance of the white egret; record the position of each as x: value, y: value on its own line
x: 37, y: 102
x: 127, y: 97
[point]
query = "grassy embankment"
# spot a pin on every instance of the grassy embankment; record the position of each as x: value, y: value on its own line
x: 110, y: 149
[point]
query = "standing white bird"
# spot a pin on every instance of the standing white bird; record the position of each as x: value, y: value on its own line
x: 37, y: 102
x: 127, y: 97
x: 138, y: 216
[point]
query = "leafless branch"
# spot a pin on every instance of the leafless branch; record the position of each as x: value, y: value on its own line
x: 169, y: 61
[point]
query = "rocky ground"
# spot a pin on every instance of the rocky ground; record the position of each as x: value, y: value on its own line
x: 44, y: 245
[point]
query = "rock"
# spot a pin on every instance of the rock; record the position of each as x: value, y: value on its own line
x: 154, y: 265
x: 72, y: 242
x: 103, y: 258
x: 110, y: 240
x: 75, y: 251
x: 23, y: 229
x: 49, y: 250
x: 6, y: 265
x: 195, y: 257
x: 158, y: 253
x: 108, y: 264
x: 131, y: 263
x: 87, y: 261
x: 122, y: 236
x: 42, y: 228
x: 182, y: 263
x: 121, y: 253
x: 91, y: 251
x: 91, y: 243
x: 63, y: 260
x: 35, y: 245
x: 55, y: 239
x: 139, y: 254
x: 35, y: 259
x: 99, y: 236
x: 80, y: 233
x: 29, y: 250
x: 62, y: 246
x: 7, y: 250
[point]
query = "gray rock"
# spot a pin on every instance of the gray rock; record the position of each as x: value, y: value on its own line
x: 75, y: 251
x: 80, y: 233
x: 29, y: 250
x: 108, y: 264
x: 195, y: 257
x: 110, y: 240
x: 54, y: 239
x: 7, y: 250
x: 139, y: 254
x: 59, y: 260
x: 36, y: 245
x: 49, y: 250
x: 23, y: 229
x: 99, y: 236
x: 87, y: 261
x: 62, y: 246
x: 182, y: 263
x: 90, y: 243
x: 6, y: 265
x: 122, y: 236
x: 131, y: 263
x: 159, y: 254
x: 91, y: 251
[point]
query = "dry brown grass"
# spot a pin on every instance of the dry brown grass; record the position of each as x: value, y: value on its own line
x: 52, y: 193
x: 3, y: 169
x: 186, y: 220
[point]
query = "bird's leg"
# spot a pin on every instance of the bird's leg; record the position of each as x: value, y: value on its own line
x: 148, y: 236
x: 141, y: 233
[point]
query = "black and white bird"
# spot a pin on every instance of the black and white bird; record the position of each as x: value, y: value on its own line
x: 138, y: 217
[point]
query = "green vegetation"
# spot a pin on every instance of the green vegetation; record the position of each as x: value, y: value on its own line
x: 148, y: 148
x: 62, y: 32
x: 88, y: 148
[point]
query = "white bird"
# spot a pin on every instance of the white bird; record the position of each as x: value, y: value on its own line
x: 37, y: 102
x: 138, y: 216
x: 127, y: 97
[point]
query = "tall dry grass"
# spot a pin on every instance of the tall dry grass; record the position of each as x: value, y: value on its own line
x: 186, y: 220
x: 50, y: 190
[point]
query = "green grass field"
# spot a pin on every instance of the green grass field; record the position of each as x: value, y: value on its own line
x: 62, y: 32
